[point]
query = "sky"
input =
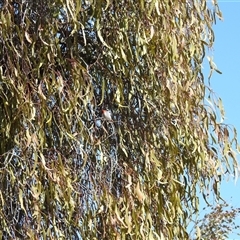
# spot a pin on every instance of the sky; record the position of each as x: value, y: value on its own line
x: 226, y: 55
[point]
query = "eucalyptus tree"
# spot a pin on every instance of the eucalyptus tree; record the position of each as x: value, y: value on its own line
x: 66, y: 172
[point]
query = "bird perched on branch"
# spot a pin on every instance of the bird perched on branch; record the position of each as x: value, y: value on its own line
x: 107, y: 114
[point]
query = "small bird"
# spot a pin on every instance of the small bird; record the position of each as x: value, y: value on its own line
x: 107, y: 114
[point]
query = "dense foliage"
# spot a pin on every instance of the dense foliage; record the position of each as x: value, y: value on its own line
x: 65, y: 171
